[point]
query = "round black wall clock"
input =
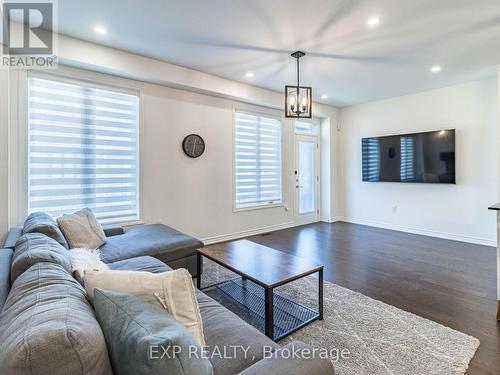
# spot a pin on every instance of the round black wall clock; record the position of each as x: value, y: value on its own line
x: 193, y: 145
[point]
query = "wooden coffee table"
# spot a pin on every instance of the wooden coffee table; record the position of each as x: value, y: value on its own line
x: 269, y: 269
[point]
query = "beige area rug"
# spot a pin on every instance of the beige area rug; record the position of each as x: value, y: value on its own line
x: 379, y: 338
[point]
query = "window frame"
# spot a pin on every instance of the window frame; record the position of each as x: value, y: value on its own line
x: 83, y: 78
x: 233, y: 176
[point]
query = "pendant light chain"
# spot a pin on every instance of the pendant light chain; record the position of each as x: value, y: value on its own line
x: 298, y: 72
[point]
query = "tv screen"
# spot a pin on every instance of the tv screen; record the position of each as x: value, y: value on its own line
x: 420, y: 157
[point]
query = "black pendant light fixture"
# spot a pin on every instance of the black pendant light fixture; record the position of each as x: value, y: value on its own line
x: 298, y: 99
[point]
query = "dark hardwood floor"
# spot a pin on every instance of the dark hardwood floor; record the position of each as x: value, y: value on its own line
x: 452, y: 283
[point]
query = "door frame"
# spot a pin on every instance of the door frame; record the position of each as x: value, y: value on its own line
x: 310, y: 217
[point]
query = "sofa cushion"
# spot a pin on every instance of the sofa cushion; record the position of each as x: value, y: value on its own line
x: 172, y: 291
x: 112, y: 230
x: 190, y: 263
x: 33, y: 248
x: 12, y: 237
x: 40, y: 222
x: 222, y: 329
x: 156, y: 240
x: 48, y: 327
x: 144, y: 264
x: 137, y: 334
x: 82, y: 230
x: 283, y: 362
x: 5, y: 260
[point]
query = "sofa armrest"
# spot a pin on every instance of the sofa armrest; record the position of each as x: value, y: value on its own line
x: 112, y: 230
x: 296, y: 358
x: 5, y: 260
x: 12, y: 237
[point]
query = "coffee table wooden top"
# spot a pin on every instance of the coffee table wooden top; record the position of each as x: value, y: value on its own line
x: 261, y: 264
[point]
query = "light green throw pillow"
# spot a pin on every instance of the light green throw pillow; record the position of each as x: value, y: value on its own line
x: 139, y: 334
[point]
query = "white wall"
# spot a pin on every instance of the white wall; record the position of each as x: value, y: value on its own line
x: 498, y: 129
x: 326, y: 170
x: 4, y: 121
x: 498, y: 212
x: 450, y: 211
x: 195, y: 195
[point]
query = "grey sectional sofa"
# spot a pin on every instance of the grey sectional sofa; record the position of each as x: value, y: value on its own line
x: 167, y: 244
x: 47, y: 326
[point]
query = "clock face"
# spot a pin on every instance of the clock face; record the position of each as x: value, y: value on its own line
x: 193, y: 146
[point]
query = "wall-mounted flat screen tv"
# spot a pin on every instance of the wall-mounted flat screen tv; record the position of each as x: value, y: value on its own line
x: 427, y: 157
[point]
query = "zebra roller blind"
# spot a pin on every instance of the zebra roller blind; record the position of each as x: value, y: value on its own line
x: 257, y: 160
x: 83, y: 149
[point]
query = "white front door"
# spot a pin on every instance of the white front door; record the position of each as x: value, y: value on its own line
x: 306, y: 179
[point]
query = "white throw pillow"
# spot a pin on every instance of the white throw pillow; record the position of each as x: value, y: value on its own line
x: 82, y: 230
x: 171, y: 290
x: 86, y: 259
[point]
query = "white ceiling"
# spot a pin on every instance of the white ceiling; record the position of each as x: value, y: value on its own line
x: 346, y: 60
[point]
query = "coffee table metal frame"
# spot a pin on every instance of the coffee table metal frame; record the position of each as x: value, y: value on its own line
x: 269, y: 294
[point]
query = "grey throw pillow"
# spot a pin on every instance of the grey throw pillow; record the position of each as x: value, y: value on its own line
x: 82, y: 230
x: 35, y: 248
x: 39, y: 222
x: 137, y: 335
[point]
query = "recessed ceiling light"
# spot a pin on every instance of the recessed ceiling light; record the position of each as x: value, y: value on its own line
x: 100, y: 30
x: 374, y: 21
x: 249, y: 75
x: 436, y: 69
x: 324, y: 97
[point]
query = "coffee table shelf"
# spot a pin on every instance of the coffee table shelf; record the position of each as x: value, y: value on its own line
x: 289, y: 316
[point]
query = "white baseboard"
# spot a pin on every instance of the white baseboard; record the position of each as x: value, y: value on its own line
x: 400, y: 228
x: 424, y: 232
x: 246, y: 233
x: 331, y: 219
x: 327, y: 219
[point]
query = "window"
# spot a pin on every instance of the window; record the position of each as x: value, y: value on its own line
x: 83, y: 149
x: 257, y: 160
x: 305, y: 128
